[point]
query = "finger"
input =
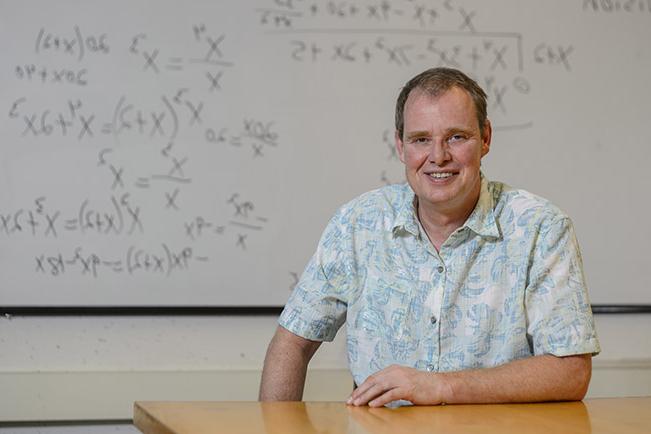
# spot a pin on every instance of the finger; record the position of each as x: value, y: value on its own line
x: 387, y: 397
x: 371, y: 393
x: 357, y: 392
x: 384, y: 376
x: 363, y: 388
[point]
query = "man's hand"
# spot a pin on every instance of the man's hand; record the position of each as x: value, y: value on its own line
x: 398, y: 382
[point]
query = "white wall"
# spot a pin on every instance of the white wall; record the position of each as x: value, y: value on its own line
x: 90, y: 368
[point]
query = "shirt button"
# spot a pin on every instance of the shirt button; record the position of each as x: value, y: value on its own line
x: 430, y: 368
x: 433, y: 320
x: 440, y: 269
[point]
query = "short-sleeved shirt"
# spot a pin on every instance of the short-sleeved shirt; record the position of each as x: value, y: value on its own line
x: 506, y: 285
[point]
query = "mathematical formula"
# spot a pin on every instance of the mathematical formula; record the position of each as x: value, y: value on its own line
x: 135, y: 260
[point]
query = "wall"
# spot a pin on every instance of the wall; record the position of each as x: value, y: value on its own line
x: 76, y: 368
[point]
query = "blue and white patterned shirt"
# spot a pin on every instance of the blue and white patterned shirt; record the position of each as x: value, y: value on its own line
x: 506, y: 285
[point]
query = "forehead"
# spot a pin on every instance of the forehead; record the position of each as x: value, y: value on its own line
x: 454, y: 105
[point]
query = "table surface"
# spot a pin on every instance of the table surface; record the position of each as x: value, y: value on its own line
x: 612, y: 415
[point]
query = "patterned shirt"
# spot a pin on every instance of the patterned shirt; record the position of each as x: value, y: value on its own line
x: 506, y: 285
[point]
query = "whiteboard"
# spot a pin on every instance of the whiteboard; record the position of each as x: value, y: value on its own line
x: 190, y: 153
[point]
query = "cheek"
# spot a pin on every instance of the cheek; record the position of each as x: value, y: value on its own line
x: 414, y: 159
x: 469, y: 158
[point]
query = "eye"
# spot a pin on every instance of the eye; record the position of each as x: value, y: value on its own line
x: 457, y: 137
x: 420, y: 140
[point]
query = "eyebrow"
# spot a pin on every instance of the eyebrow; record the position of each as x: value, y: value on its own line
x: 415, y: 134
x: 459, y: 130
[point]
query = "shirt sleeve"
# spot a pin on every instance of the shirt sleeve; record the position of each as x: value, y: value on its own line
x: 317, y: 306
x: 558, y: 310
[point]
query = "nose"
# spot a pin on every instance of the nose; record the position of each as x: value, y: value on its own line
x: 439, y: 154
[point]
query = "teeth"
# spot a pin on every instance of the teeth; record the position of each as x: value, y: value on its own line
x: 440, y: 175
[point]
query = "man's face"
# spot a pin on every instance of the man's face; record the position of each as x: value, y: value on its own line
x: 442, y: 148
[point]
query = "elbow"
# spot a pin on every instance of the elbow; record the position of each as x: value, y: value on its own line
x: 580, y: 390
x: 582, y: 385
x: 579, y: 373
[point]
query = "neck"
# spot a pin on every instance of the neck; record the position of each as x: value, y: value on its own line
x: 439, y: 222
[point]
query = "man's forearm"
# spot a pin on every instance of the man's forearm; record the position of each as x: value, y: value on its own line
x: 535, y: 379
x: 285, y: 367
x: 283, y: 379
x: 541, y: 378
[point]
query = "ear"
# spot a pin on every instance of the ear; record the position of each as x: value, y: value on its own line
x: 400, y: 146
x: 486, y: 139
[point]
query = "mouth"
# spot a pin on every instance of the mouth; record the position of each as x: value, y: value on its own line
x: 441, y: 176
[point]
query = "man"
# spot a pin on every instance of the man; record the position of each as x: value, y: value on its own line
x: 455, y: 289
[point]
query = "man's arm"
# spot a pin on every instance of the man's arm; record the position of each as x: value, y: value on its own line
x: 538, y: 378
x: 285, y: 366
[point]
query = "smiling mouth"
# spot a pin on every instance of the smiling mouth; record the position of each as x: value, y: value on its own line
x: 441, y: 175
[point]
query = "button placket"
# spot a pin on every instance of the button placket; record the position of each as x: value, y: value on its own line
x: 434, y: 321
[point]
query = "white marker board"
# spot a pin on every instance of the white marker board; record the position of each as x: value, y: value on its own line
x: 190, y: 153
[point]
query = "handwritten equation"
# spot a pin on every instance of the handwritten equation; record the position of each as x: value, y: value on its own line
x: 281, y: 13
x: 135, y: 260
x: 120, y: 216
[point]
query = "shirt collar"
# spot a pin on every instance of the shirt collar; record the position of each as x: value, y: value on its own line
x: 406, y: 219
x: 481, y: 220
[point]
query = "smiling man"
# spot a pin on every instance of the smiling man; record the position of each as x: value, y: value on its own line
x: 455, y: 289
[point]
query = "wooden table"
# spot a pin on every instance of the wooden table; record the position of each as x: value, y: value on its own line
x: 595, y: 416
